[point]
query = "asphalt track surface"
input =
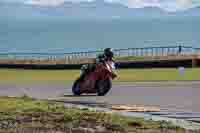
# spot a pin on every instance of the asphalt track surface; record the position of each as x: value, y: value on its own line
x: 176, y: 99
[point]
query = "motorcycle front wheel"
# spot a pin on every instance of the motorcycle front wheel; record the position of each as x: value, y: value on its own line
x: 103, y: 87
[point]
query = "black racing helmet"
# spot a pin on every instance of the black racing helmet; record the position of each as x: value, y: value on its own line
x: 108, y: 52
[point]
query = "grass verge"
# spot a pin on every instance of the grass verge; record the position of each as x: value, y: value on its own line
x: 20, y: 76
x: 29, y: 115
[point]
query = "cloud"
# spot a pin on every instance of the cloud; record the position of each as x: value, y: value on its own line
x: 175, y: 5
x: 168, y: 5
x: 51, y: 2
x: 140, y: 3
x: 45, y: 2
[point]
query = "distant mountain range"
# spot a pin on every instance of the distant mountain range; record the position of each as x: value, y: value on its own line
x: 94, y: 10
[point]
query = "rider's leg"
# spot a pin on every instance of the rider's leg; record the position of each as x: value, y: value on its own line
x: 83, y: 71
x: 86, y: 69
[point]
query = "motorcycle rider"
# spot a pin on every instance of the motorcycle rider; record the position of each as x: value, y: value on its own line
x: 107, y: 55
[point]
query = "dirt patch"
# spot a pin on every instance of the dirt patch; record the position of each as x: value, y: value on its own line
x: 135, y: 108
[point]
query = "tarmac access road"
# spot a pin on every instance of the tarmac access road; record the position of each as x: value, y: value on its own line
x: 176, y: 99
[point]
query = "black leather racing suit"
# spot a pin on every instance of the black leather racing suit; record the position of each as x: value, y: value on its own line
x: 87, y: 68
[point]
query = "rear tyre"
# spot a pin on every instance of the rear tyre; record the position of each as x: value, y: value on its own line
x: 76, y: 87
x: 103, y: 87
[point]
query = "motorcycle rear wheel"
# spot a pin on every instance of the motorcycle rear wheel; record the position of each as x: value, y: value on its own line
x: 103, y: 87
x: 76, y: 87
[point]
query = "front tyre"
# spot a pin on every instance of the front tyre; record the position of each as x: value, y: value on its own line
x: 76, y: 87
x: 103, y: 87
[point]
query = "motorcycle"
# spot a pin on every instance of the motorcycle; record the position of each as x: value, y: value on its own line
x: 98, y: 81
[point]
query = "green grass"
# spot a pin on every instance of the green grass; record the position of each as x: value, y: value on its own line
x: 37, y: 76
x: 19, y: 76
x: 53, y: 113
x: 131, y: 75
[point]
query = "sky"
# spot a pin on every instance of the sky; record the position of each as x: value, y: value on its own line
x: 167, y: 5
